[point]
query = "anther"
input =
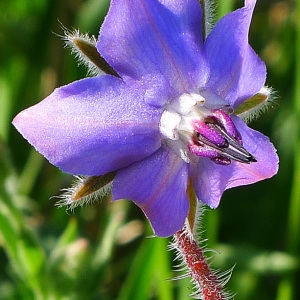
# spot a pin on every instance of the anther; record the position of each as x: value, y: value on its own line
x: 218, y: 139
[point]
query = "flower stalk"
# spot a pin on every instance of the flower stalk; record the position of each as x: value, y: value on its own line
x: 207, y: 284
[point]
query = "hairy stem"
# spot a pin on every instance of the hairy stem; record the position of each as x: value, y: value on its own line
x: 207, y: 284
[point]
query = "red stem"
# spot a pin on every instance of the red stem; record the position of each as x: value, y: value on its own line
x: 206, y: 281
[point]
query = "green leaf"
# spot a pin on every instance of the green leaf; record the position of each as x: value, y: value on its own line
x: 149, y: 269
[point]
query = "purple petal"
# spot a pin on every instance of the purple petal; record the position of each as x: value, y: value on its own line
x: 158, y: 186
x: 93, y: 126
x: 141, y: 37
x: 237, y: 73
x: 211, y: 180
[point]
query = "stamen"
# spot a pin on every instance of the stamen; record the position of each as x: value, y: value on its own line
x: 235, y: 150
x: 218, y: 139
x: 193, y: 130
x: 224, y: 120
x: 206, y: 131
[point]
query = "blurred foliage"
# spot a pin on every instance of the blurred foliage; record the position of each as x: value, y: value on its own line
x: 101, y: 251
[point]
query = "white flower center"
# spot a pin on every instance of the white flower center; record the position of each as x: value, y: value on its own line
x: 193, y: 130
x: 176, y: 123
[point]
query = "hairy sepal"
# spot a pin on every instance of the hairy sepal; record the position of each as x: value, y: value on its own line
x: 84, y: 48
x: 86, y: 190
x: 253, y: 107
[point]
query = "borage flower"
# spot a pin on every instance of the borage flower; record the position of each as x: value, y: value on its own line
x: 165, y: 119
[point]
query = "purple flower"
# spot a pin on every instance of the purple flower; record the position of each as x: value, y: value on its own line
x: 168, y: 119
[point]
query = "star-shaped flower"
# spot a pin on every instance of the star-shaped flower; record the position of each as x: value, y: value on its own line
x: 167, y: 118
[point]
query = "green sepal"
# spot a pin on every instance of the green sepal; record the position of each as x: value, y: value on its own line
x: 252, y: 103
x: 91, y: 185
x: 192, y: 215
x: 90, y: 51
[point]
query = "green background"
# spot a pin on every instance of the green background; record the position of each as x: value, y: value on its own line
x: 102, y: 251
